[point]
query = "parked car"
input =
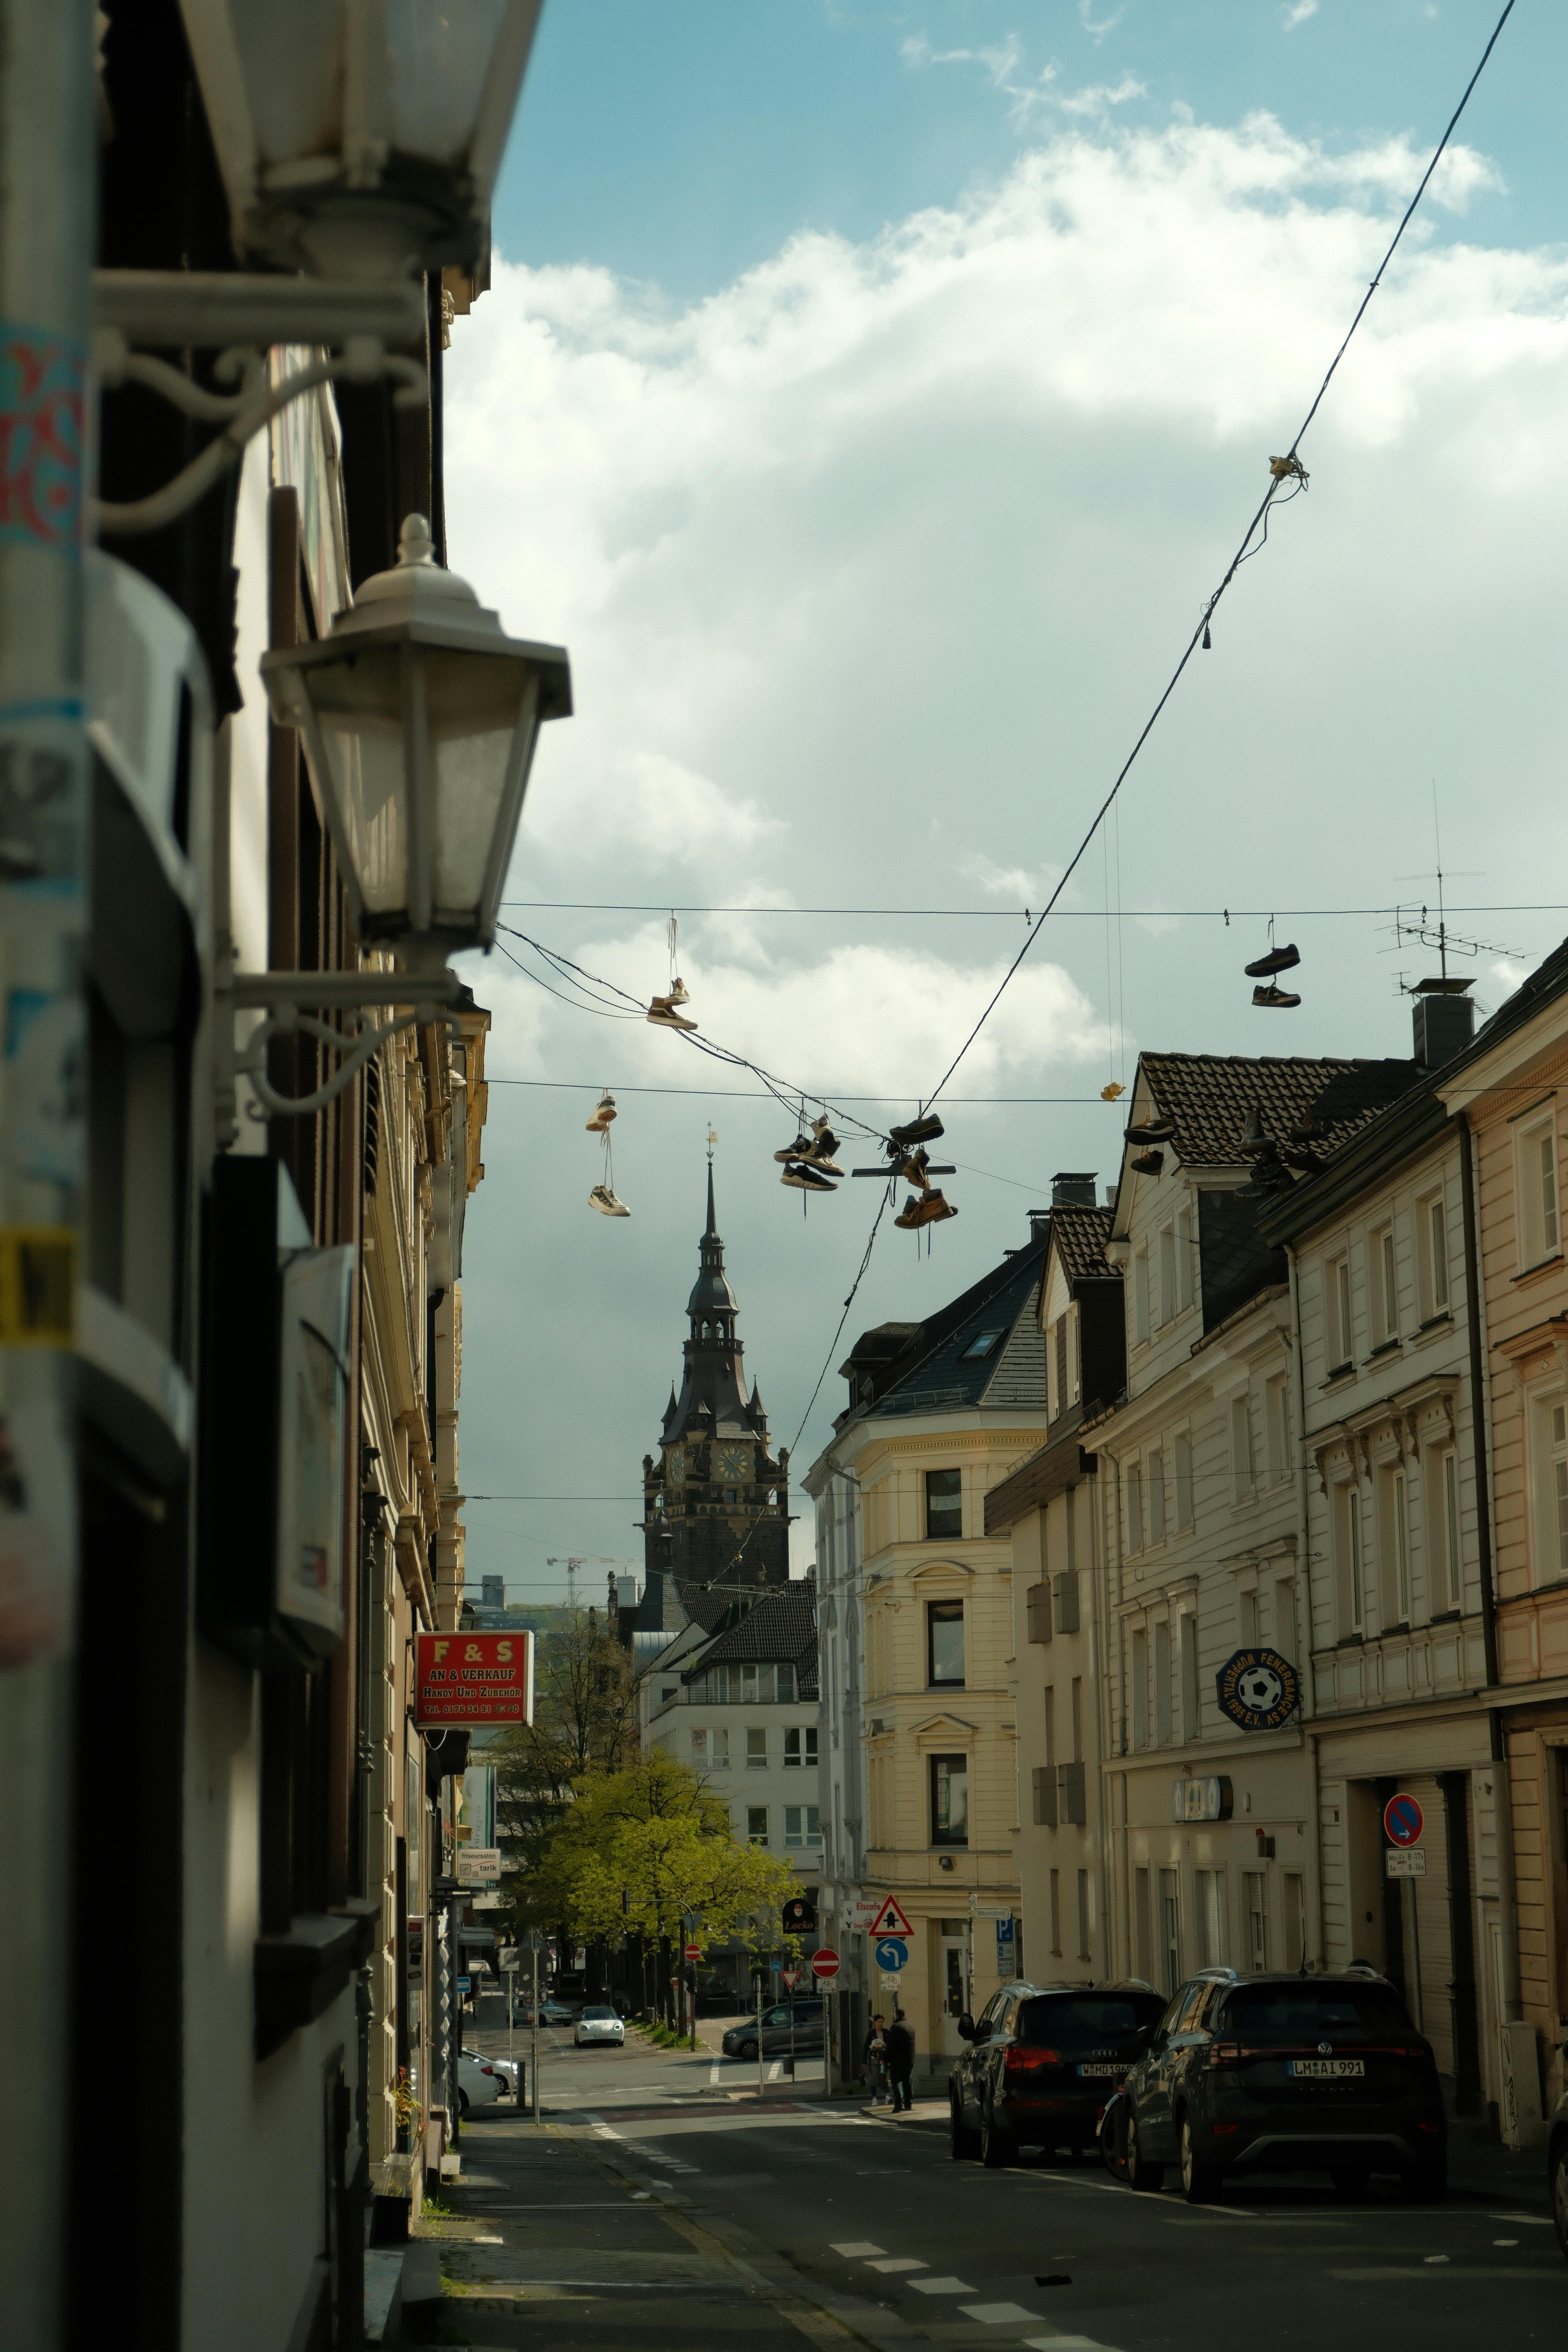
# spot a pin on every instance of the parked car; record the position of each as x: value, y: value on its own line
x: 1557, y: 2167
x: 509, y: 2069
x: 600, y: 2026
x: 480, y: 2081
x: 740, y: 2041
x: 1283, y: 2072
x: 551, y: 2012
x: 1041, y: 2062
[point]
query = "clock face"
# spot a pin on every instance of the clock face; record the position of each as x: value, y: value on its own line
x: 674, y: 1465
x: 734, y: 1461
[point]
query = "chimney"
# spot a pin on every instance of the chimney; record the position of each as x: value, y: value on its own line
x: 1078, y: 1190
x: 1445, y: 1021
x: 625, y: 1592
x: 1039, y: 1226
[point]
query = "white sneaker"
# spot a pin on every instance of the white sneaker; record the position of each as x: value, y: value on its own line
x: 604, y: 1201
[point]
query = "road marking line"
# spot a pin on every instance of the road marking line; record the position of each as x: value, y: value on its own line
x: 998, y: 2314
x: 856, y: 2249
x: 942, y: 2286
x: 899, y: 2263
x: 1066, y: 2344
x: 1536, y: 2220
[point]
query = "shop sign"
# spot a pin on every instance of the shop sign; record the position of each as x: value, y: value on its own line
x: 1258, y: 1690
x: 1205, y: 1800
x: 473, y: 1682
x: 479, y: 1865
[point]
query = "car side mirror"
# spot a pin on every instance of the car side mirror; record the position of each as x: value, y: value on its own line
x: 966, y: 2028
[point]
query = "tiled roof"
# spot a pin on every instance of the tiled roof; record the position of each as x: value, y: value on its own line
x: 1010, y: 1377
x: 667, y: 1606
x: 1079, y: 1235
x: 1211, y: 1097
x: 782, y: 1626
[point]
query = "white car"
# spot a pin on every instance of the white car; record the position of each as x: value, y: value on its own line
x: 600, y: 2026
x: 480, y: 2083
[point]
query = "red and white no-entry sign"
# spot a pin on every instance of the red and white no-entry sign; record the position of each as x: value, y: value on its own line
x: 694, y: 1953
x: 825, y: 1963
x: 791, y: 1977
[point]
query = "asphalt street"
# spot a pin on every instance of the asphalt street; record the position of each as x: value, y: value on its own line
x: 661, y: 2205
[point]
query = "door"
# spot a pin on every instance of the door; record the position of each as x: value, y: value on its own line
x: 953, y: 1982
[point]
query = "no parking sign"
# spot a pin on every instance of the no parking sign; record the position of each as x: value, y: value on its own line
x: 1402, y: 1820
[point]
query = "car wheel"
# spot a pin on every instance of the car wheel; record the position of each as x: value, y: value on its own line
x: 1560, y: 2192
x: 1200, y: 2174
x: 747, y: 2050
x: 1350, y: 2179
x: 963, y: 2137
x: 1141, y: 2175
x: 997, y: 2148
x: 462, y: 2101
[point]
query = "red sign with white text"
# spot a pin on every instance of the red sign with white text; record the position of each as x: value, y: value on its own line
x: 472, y: 1682
x: 825, y: 1963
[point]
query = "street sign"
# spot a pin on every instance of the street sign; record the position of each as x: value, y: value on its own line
x: 890, y: 1919
x: 1006, y: 1945
x: 776, y: 1967
x: 465, y: 1987
x: 694, y: 1953
x: 892, y: 1954
x: 472, y: 1681
x: 1259, y: 1689
x: 825, y: 1963
x: 1410, y: 1862
x: 1402, y: 1820
x: 479, y: 1865
x: 861, y: 1913
x: 791, y: 1977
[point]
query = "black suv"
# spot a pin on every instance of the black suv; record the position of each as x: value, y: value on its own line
x: 1041, y: 2063
x: 1289, y: 2073
x: 1557, y: 2165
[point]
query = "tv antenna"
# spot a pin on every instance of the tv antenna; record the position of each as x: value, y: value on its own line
x: 1418, y: 927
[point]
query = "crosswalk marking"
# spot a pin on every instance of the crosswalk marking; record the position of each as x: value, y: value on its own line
x: 999, y: 2315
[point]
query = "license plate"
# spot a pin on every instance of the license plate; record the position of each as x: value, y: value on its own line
x: 1326, y: 2070
x: 1102, y: 2074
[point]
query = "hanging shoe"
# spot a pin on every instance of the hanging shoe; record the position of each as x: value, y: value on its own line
x: 1277, y: 959
x: 663, y: 1015
x: 604, y: 1201
x: 1279, y: 998
x: 604, y: 1114
x: 806, y: 1179
x: 934, y: 1208
x: 1154, y: 1130
x: 1254, y: 1139
x: 1149, y: 1164
x: 917, y: 1130
x: 801, y: 1148
x: 908, y: 1216
x: 824, y: 1144
x: 677, y: 994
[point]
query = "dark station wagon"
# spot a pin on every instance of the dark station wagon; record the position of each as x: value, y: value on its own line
x: 1041, y: 2063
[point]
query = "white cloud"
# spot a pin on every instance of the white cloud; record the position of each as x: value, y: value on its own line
x: 1101, y: 95
x: 1097, y: 27
x: 1297, y: 11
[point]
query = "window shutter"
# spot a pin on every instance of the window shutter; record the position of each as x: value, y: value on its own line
x: 1067, y: 1601
x: 1071, y: 1794
x: 1037, y: 1601
x: 1045, y: 1781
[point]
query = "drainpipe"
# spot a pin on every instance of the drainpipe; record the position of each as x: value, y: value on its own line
x: 1304, y: 1555
x: 48, y: 174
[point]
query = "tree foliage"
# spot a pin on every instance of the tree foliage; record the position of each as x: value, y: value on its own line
x: 585, y: 1722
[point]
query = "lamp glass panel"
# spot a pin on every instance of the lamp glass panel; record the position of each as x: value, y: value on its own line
x: 290, y: 56
x: 440, y: 58
x: 475, y: 702
x: 359, y: 711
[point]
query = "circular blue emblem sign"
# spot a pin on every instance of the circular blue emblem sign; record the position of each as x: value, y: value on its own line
x: 1259, y: 1689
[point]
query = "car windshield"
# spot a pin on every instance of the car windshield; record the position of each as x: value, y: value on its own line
x: 591, y: 2014
x: 1303, y: 2011
x: 1086, y: 2022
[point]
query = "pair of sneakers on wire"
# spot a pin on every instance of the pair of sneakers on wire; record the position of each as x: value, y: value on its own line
x: 1266, y: 970
x: 661, y: 1011
x: 604, y: 1113
x: 808, y: 1163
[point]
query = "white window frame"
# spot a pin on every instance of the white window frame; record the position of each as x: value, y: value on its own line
x: 1337, y: 1311
x: 1163, y: 1683
x: 1538, y: 1191
x: 1134, y: 1507
x: 1277, y: 1428
x: 1243, y: 1457
x: 1138, y: 1669
x: 1187, y: 1652
x: 1384, y: 1268
x: 756, y: 1836
x: 1396, y: 1533
x: 1154, y: 1495
x: 1140, y: 1296
x: 1183, y: 1450
x: 802, y: 1827
x: 756, y: 1747
x: 1350, y: 1545
x: 1184, y: 1222
x: 1168, y: 1273
x: 1548, y: 1416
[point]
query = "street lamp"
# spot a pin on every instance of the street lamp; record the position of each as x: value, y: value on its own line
x: 359, y: 137
x: 419, y: 718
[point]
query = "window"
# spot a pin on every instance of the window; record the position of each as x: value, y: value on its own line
x: 1083, y: 1915
x: 1246, y: 1616
x: 700, y: 1751
x: 1276, y: 1423
x: 950, y: 1801
x: 1183, y: 1482
x: 1257, y: 1887
x: 800, y: 1747
x: 1139, y: 1296
x: 1167, y: 1273
x: 1399, y: 1537
x: 1155, y: 1474
x: 1337, y: 1283
x: 1078, y: 1718
x: 719, y: 1750
x: 1385, y: 1288
x: 1057, y: 1911
x: 757, y: 1748
x: 1348, y: 1535
x: 801, y: 1825
x: 982, y: 1345
x: 1295, y: 1910
x: 944, y: 1643
x: 1188, y: 1630
x: 1050, y: 1728
x: 1140, y: 1688
x: 1208, y: 1886
x: 756, y: 1825
x: 1551, y: 1490
x: 1134, y: 1507
x: 1161, y: 1685
x: 1538, y: 1191
x: 944, y: 1503
x: 1243, y: 1470
x: 1062, y: 1362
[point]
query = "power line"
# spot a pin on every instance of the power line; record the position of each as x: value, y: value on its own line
x: 763, y: 1094
x: 1282, y: 471
x: 1018, y: 914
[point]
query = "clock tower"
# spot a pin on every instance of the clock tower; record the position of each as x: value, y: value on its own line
x: 715, y: 1500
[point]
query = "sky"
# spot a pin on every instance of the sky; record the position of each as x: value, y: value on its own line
x: 870, y: 399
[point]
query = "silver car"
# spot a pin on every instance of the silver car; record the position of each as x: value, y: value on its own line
x: 600, y: 2026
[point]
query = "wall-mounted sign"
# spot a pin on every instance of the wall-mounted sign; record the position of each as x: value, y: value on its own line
x: 1259, y: 1689
x: 1409, y: 1864
x: 1206, y: 1800
x: 473, y: 1682
x: 479, y: 1865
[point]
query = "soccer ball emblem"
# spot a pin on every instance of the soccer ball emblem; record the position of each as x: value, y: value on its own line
x: 1259, y: 1688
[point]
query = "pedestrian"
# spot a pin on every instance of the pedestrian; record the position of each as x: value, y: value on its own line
x: 874, y: 2061
x: 901, y: 2062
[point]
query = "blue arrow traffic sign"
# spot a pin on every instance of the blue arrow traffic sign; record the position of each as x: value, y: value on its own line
x: 892, y: 1954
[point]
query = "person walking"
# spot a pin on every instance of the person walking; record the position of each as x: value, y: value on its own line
x: 901, y: 2062
x: 874, y: 2061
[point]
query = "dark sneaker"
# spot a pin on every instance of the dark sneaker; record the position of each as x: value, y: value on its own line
x: 1277, y: 959
x: 662, y: 1012
x: 799, y: 1149
x: 1279, y: 998
x: 917, y: 1130
x: 806, y: 1179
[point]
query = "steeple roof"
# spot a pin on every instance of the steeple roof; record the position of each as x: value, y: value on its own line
x: 712, y: 1293
x: 712, y: 1401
